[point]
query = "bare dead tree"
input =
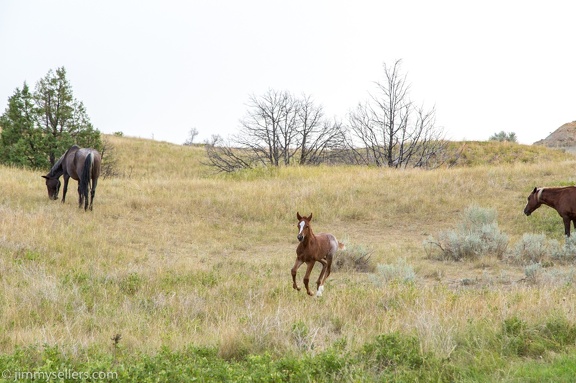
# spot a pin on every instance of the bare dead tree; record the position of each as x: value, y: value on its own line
x: 319, y: 140
x: 278, y: 129
x: 192, y: 133
x: 391, y: 130
x: 269, y: 128
x: 225, y: 158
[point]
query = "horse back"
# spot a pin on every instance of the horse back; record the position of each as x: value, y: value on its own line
x: 69, y: 164
x: 328, y: 242
x: 78, y: 161
x: 566, y: 203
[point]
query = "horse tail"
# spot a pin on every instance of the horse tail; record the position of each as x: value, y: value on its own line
x: 86, y: 173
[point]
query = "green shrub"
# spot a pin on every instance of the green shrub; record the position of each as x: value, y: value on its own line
x: 393, y: 352
x: 131, y: 283
x: 520, y: 339
x: 476, y: 235
x: 398, y: 358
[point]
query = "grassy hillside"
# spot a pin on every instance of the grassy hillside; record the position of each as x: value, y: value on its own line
x: 175, y: 256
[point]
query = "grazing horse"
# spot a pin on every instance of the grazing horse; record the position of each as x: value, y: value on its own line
x: 563, y: 199
x: 311, y: 249
x: 83, y: 165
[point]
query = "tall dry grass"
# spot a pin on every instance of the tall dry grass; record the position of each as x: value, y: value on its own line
x: 174, y: 255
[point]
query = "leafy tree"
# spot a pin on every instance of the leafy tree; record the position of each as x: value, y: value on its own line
x: 38, y: 128
x: 503, y: 136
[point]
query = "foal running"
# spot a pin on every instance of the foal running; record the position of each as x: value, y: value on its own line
x: 311, y: 249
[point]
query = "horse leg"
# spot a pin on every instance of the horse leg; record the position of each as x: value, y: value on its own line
x: 319, y: 284
x: 66, y: 179
x: 86, y: 192
x: 310, y: 266
x: 297, y: 264
x: 328, y: 269
x: 80, y: 196
x: 566, y: 226
x: 93, y: 191
x: 324, y: 275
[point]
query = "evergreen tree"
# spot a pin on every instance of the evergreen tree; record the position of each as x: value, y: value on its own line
x: 503, y: 136
x: 38, y: 128
x: 21, y: 143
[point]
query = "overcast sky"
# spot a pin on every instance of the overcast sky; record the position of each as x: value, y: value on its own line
x: 156, y: 69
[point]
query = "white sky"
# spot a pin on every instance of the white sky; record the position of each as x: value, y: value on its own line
x: 156, y: 69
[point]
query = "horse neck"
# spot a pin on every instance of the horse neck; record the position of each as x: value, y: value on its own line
x: 310, y: 238
x: 547, y: 196
x: 57, y: 170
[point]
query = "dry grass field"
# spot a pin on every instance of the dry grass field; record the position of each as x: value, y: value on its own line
x: 174, y: 255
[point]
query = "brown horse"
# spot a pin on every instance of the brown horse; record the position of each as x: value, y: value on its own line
x: 83, y: 165
x: 563, y: 199
x: 311, y: 249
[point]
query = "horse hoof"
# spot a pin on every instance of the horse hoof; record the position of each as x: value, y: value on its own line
x: 320, y: 291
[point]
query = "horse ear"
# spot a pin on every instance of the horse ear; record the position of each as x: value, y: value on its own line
x: 298, y: 216
x: 310, y: 217
x: 45, y: 177
x: 535, y: 190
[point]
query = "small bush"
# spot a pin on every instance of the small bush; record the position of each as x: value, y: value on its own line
x: 354, y: 258
x: 131, y: 284
x: 401, y: 272
x: 566, y: 253
x: 393, y: 352
x: 520, y: 339
x: 503, y: 136
x: 399, y: 358
x: 301, y: 336
x: 533, y: 272
x: 532, y: 248
x: 476, y: 235
x: 536, y: 248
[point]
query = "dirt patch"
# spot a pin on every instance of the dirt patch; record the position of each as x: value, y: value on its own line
x: 563, y: 137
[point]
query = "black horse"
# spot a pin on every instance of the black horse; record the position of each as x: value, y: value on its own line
x: 83, y: 165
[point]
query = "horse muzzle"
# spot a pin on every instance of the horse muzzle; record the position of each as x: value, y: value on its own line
x: 300, y: 237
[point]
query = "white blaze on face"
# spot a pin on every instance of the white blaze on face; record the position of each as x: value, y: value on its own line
x: 301, y: 224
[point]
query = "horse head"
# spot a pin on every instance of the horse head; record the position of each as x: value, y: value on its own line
x: 533, y: 201
x: 53, y: 186
x: 303, y: 226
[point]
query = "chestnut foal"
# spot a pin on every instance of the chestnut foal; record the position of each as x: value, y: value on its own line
x: 311, y: 249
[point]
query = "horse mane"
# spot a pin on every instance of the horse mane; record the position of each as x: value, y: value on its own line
x: 57, y: 170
